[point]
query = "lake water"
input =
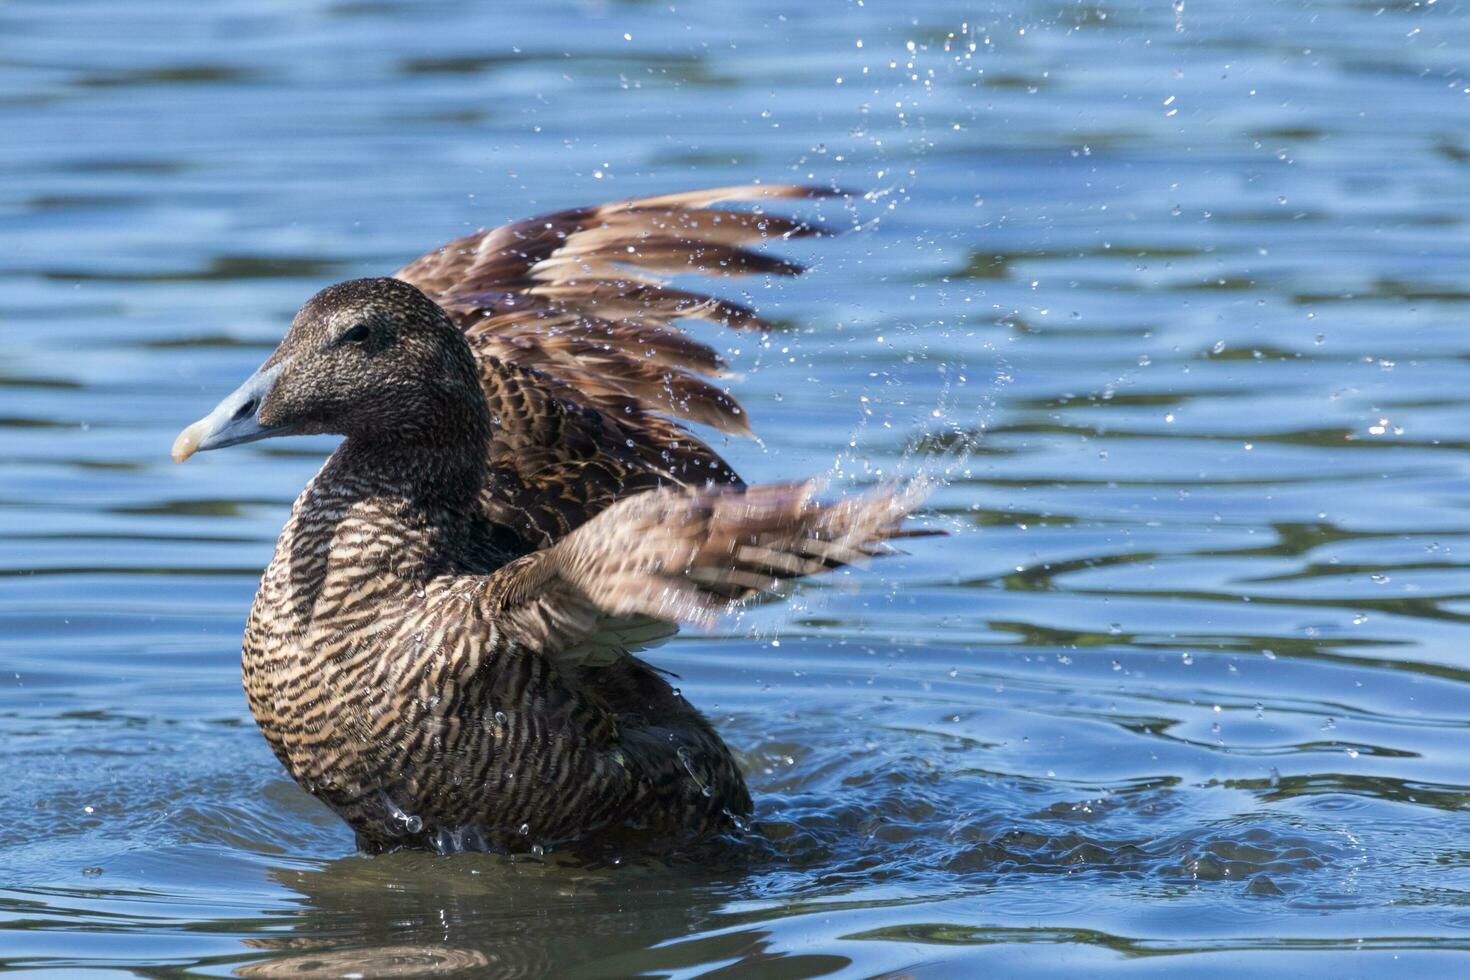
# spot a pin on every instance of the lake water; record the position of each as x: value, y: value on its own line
x: 1175, y: 296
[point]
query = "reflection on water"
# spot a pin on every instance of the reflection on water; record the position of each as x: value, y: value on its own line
x: 1174, y: 297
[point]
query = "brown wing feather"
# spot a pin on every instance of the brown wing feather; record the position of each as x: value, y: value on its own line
x: 589, y: 357
x: 680, y: 555
x: 577, y: 294
x: 555, y: 462
x: 583, y: 365
x: 507, y: 257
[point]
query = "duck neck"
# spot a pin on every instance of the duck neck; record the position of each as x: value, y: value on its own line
x: 442, y: 466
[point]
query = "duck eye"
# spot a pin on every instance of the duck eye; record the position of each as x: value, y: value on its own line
x: 354, y: 334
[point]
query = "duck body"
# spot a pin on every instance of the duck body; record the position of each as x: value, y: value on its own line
x: 443, y: 647
x: 397, y: 701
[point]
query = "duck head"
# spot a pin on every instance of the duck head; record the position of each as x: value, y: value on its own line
x: 372, y: 359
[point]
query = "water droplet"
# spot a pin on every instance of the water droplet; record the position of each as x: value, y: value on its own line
x: 525, y: 829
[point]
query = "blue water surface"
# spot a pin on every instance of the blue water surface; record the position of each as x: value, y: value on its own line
x: 1175, y: 297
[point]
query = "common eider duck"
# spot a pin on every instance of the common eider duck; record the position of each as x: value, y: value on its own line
x: 442, y: 648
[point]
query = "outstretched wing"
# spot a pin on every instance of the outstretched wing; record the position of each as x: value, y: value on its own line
x: 579, y: 295
x: 585, y: 370
x: 681, y: 555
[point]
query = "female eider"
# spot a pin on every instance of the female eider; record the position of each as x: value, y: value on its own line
x: 442, y: 647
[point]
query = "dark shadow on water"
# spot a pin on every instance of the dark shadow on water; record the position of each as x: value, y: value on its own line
x: 718, y: 903
x: 220, y: 268
x: 428, y: 915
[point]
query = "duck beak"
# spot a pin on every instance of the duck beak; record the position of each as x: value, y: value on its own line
x: 234, y: 420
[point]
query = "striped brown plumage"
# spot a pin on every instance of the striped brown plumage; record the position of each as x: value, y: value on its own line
x: 442, y: 647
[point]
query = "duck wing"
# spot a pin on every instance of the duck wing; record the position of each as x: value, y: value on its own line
x: 681, y: 555
x: 580, y: 295
x: 586, y: 372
